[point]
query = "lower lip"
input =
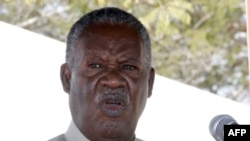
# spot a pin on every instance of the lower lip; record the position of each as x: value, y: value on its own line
x: 112, y: 110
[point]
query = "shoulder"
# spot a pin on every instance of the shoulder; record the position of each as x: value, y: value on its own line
x: 58, y: 138
x: 138, y: 139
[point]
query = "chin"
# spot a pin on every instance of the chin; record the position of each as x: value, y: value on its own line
x: 113, y: 129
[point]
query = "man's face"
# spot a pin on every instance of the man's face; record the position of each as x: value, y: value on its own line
x: 108, y: 83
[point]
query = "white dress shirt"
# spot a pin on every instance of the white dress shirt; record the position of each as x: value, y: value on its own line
x: 74, y: 134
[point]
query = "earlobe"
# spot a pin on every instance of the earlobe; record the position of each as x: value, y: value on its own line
x: 65, y: 77
x: 151, y: 81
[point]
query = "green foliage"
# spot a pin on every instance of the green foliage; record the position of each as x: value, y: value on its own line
x: 198, y: 42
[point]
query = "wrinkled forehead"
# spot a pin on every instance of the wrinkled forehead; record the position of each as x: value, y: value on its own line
x: 112, y: 39
x: 110, y: 35
x: 111, y: 29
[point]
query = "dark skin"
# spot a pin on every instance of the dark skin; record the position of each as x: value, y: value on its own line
x: 108, y: 83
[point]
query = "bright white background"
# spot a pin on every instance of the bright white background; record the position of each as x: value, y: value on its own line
x: 34, y: 107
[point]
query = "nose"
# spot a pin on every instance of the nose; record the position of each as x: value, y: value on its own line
x: 113, y: 79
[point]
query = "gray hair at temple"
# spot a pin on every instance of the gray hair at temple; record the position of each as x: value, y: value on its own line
x: 104, y: 15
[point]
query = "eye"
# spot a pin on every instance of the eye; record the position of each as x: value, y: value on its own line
x: 129, y: 67
x: 95, y: 65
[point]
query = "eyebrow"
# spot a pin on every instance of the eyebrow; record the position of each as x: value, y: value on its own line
x: 129, y: 59
x: 133, y: 59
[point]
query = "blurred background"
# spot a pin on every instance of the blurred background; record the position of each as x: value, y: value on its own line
x: 197, y: 42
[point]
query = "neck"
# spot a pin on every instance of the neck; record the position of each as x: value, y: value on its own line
x: 114, y: 139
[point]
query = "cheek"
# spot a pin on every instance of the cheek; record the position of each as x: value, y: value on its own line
x: 82, y: 91
x: 81, y: 101
x: 78, y: 94
x: 139, y: 95
x: 141, y: 99
x: 80, y: 85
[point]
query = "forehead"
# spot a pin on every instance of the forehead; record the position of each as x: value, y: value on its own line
x: 112, y: 37
x: 111, y: 29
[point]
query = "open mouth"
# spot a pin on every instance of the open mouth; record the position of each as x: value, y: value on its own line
x: 113, y: 105
x: 112, y: 102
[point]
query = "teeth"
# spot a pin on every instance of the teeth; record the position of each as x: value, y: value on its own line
x: 113, y: 102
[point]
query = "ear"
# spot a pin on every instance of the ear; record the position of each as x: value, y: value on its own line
x: 151, y: 81
x: 65, y: 77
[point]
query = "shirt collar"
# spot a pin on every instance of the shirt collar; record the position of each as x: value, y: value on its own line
x: 73, y: 133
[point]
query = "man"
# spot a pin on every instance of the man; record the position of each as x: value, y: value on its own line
x: 108, y: 76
